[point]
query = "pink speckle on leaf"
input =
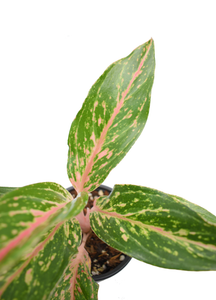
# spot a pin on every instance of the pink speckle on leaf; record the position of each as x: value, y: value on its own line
x: 78, y: 176
x: 157, y: 228
x: 115, y: 137
x: 103, y: 165
x: 22, y: 223
x: 134, y: 123
x: 29, y: 271
x: 67, y: 277
x: 102, y: 154
x: 82, y: 161
x: 36, y: 213
x: 141, y: 108
x: 87, y: 152
x: 95, y: 104
x: 75, y: 135
x: 93, y: 137
x: 127, y: 116
x: 109, y: 155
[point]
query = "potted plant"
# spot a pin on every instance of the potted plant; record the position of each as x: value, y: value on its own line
x: 44, y: 230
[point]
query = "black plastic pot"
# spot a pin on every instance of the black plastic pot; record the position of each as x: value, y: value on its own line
x: 123, y: 263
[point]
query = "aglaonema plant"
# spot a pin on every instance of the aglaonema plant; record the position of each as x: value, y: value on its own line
x: 43, y: 229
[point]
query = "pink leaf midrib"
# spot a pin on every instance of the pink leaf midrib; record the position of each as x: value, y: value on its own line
x: 154, y: 228
x: 34, y: 253
x: 75, y: 264
x: 27, y: 232
x: 85, y: 177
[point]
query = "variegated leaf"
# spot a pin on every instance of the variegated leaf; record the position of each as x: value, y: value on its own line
x: 77, y: 282
x: 38, y: 274
x: 157, y: 228
x: 27, y: 213
x: 4, y: 190
x: 111, y: 118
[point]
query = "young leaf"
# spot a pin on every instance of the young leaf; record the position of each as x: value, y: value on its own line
x: 27, y: 213
x: 157, y: 228
x: 77, y: 283
x: 37, y: 275
x: 111, y: 118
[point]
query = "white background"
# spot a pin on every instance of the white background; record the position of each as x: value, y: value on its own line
x: 51, y: 52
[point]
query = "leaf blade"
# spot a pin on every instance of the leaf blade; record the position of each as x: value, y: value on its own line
x: 27, y: 213
x: 111, y: 119
x: 5, y: 189
x: 38, y: 274
x: 156, y: 228
x: 78, y: 278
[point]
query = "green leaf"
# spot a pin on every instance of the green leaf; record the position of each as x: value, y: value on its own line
x: 200, y: 210
x: 37, y: 275
x: 111, y: 118
x: 157, y: 228
x: 4, y: 190
x: 77, y: 282
x: 27, y: 213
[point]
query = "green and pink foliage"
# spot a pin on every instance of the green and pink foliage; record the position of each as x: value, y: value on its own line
x: 43, y: 230
x: 111, y: 119
x: 157, y: 228
x: 39, y: 239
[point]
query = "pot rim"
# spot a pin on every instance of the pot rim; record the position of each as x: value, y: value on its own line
x: 122, y: 264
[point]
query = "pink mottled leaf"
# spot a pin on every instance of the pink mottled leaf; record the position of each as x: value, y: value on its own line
x: 37, y: 274
x: 27, y: 213
x: 40, y: 243
x: 156, y: 228
x: 111, y: 118
x: 77, y: 282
